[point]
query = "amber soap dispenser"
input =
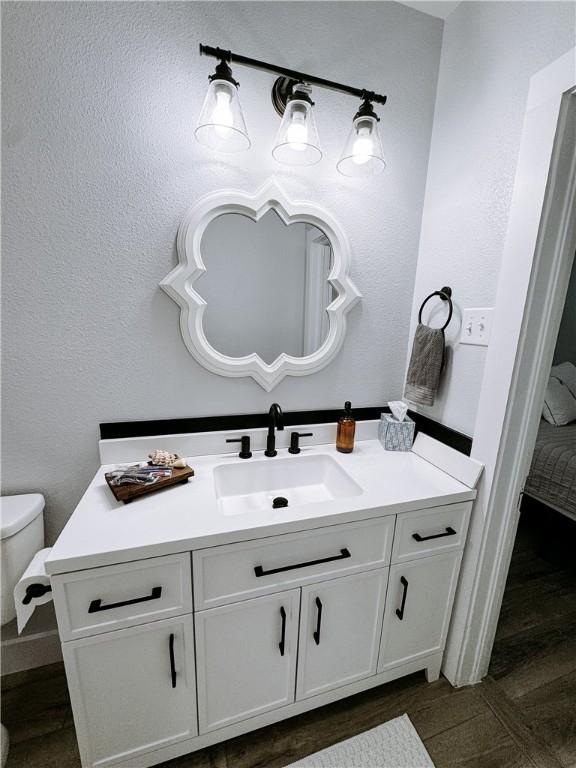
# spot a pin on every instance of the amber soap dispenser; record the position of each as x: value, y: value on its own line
x: 346, y: 429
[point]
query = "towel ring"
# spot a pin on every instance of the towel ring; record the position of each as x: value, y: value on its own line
x: 446, y: 295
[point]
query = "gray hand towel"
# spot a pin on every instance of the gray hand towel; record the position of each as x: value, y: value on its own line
x: 425, y: 366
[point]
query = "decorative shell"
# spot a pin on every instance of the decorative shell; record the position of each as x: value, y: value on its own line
x: 166, y: 459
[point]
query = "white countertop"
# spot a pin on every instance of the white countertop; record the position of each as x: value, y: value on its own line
x: 103, y: 531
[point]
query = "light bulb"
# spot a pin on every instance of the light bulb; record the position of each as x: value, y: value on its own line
x: 221, y: 124
x: 363, y: 146
x: 362, y: 153
x: 297, y: 138
x: 297, y: 133
x: 222, y: 116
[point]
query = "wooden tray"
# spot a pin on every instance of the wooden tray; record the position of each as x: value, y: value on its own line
x: 127, y: 493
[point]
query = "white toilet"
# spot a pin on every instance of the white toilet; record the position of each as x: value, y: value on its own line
x: 21, y: 536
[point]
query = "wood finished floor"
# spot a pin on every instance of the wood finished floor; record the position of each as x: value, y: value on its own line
x: 522, y: 716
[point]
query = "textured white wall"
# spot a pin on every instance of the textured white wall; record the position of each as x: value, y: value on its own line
x: 99, y: 165
x: 489, y: 52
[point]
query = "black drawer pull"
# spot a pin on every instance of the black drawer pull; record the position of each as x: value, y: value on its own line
x: 96, y: 605
x: 282, y: 643
x: 316, y: 634
x: 259, y: 571
x: 448, y: 532
x: 400, y: 611
x: 172, y: 665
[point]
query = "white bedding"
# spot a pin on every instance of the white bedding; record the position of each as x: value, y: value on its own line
x: 552, y: 477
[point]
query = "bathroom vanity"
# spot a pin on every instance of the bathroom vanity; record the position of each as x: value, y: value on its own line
x: 202, y: 612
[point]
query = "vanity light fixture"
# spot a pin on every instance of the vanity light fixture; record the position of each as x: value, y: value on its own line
x: 222, y: 125
x: 362, y: 155
x: 297, y: 139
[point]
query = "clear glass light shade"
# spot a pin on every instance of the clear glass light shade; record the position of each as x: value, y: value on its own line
x: 362, y: 155
x: 221, y: 124
x: 297, y: 139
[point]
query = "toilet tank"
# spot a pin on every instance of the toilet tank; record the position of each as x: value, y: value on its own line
x: 21, y: 536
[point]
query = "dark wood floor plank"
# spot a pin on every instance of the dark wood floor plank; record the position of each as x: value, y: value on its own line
x: 511, y: 653
x: 547, y: 600
x: 517, y: 726
x: 445, y: 712
x: 481, y: 742
x: 31, y: 710
x: 53, y: 750
x: 551, y: 712
x: 28, y: 676
x: 540, y: 666
x: 527, y: 566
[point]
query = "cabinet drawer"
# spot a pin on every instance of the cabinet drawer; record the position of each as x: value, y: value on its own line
x: 430, y: 532
x: 235, y: 572
x: 101, y: 599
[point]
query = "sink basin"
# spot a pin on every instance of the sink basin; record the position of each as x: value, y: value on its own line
x: 253, y: 486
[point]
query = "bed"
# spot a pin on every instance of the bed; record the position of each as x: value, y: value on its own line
x: 552, y: 476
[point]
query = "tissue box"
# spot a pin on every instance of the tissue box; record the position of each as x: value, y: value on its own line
x: 396, y: 435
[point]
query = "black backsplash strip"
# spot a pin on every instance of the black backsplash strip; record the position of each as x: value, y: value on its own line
x: 446, y: 435
x: 126, y: 429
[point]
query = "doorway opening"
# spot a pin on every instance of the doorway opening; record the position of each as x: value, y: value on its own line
x: 534, y: 655
x: 532, y: 287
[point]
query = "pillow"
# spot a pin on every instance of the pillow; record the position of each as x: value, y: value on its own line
x: 566, y: 372
x: 559, y: 403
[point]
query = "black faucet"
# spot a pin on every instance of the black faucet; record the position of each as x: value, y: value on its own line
x: 275, y: 420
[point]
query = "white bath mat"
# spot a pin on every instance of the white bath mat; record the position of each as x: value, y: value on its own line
x: 392, y: 745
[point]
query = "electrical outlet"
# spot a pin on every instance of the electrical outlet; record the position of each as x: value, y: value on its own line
x: 476, y: 326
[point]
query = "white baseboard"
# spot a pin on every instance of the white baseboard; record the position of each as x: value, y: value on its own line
x: 31, y: 651
x: 38, y: 645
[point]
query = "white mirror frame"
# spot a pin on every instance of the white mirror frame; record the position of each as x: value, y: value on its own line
x: 179, y: 283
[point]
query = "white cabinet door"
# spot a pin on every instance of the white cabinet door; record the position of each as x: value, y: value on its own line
x: 418, y: 606
x: 246, y: 658
x: 132, y: 690
x: 341, y: 622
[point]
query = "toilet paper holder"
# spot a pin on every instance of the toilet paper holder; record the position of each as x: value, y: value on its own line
x: 35, y: 590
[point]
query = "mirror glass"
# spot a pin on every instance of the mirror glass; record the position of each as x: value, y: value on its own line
x: 265, y: 286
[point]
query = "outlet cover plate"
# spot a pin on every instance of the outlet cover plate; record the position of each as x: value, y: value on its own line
x: 476, y: 326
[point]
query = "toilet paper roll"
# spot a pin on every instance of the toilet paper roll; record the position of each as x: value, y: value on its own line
x: 26, y: 596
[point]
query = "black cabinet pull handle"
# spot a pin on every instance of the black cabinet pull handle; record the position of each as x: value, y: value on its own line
x: 282, y: 643
x: 448, y: 532
x: 400, y: 611
x: 316, y: 634
x: 172, y: 665
x: 259, y: 571
x: 96, y: 605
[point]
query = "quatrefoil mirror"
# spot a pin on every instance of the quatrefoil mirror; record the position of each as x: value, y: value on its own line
x: 262, y: 283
